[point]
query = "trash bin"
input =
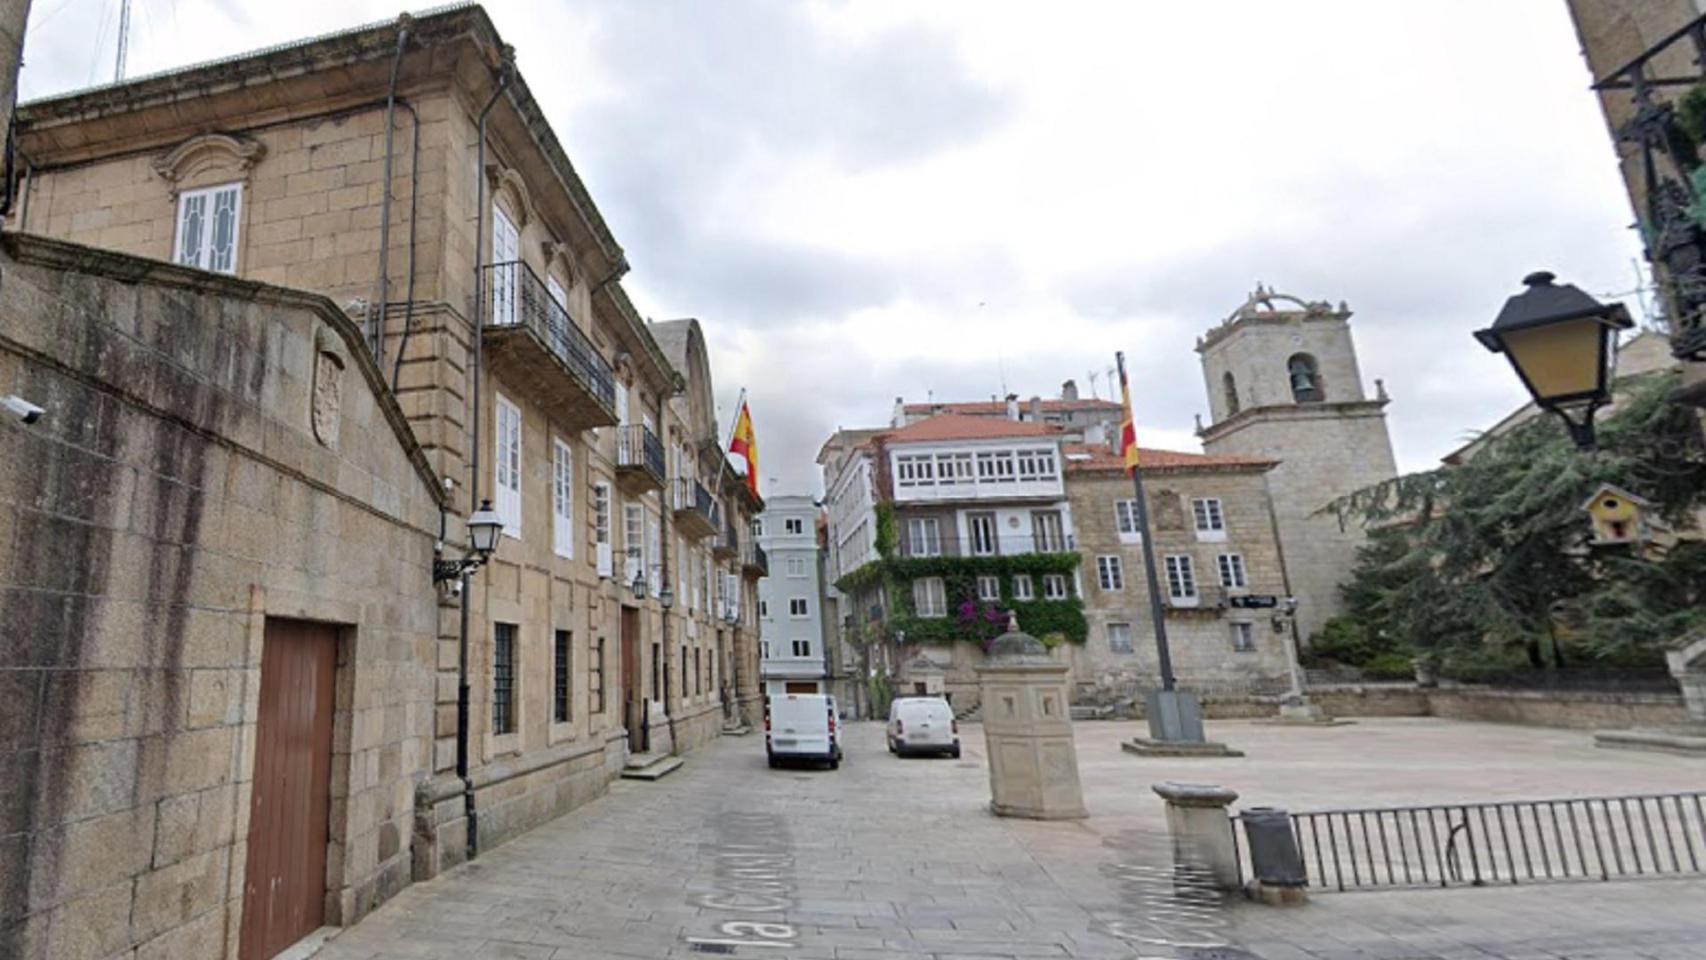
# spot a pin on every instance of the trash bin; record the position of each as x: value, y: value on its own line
x: 1274, y: 856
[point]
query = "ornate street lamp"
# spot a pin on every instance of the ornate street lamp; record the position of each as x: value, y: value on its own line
x: 666, y: 596
x: 1559, y: 340
x: 639, y: 585
x: 484, y: 528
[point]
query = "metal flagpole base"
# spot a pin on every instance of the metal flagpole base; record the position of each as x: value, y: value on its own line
x: 1175, y: 729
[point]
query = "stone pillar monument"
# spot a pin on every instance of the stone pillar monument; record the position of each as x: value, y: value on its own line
x: 1027, y: 728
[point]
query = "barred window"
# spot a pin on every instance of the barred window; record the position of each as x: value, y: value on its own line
x: 560, y: 674
x: 503, y: 678
x: 595, y: 678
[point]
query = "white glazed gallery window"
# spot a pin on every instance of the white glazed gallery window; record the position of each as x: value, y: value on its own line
x: 988, y: 587
x: 207, y: 227
x: 1243, y: 637
x: 1054, y: 586
x: 1110, y: 574
x: 1181, y: 580
x: 793, y: 525
x: 929, y: 597
x: 1211, y: 521
x: 1119, y: 638
x: 1023, y: 588
x: 796, y: 566
x: 562, y: 499
x: 1125, y: 517
x: 802, y: 648
x: 799, y: 608
x: 1232, y: 571
x: 508, y: 466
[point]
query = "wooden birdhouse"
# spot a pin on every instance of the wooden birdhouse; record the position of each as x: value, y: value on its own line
x: 1618, y: 516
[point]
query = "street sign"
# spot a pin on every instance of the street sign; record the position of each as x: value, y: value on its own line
x: 1260, y: 601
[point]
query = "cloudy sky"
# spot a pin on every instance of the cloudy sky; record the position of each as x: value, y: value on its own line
x: 864, y: 200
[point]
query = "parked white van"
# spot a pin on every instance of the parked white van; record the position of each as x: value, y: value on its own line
x: 801, y: 726
x: 923, y: 725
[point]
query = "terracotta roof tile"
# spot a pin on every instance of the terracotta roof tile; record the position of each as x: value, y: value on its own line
x: 1101, y: 458
x: 953, y: 426
x: 999, y: 408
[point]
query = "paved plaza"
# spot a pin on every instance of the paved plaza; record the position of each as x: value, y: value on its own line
x: 899, y: 858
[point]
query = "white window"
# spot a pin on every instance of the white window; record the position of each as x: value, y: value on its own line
x: 1119, y: 638
x: 1109, y: 573
x: 953, y: 468
x: 1125, y: 516
x: 208, y: 222
x: 621, y: 405
x: 988, y: 587
x: 1211, y: 523
x: 562, y: 499
x: 983, y: 533
x: 1232, y: 570
x: 793, y: 525
x: 1036, y: 465
x: 798, y: 608
x: 796, y: 566
x: 763, y: 609
x: 654, y: 555
x: 601, y: 552
x: 1022, y: 586
x: 1054, y: 586
x: 633, y: 543
x: 929, y: 597
x: 506, y: 257
x: 1047, y: 532
x: 802, y: 648
x: 1181, y: 580
x: 1243, y: 637
x: 923, y: 537
x: 508, y: 465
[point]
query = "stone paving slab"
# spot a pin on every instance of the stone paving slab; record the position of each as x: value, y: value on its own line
x: 892, y: 857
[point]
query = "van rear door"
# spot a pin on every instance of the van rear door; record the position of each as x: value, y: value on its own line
x: 799, y: 725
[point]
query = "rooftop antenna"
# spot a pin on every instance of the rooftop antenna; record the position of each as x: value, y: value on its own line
x: 1094, y: 376
x: 123, y: 40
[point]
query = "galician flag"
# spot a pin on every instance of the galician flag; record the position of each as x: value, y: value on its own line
x: 1128, y: 426
x: 744, y: 443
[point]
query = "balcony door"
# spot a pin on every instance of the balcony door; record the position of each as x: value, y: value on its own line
x: 1047, y: 532
x: 506, y: 254
x: 982, y: 528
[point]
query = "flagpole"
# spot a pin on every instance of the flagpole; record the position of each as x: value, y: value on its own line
x: 734, y: 424
x: 1157, y: 613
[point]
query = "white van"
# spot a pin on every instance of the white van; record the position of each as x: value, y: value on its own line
x: 923, y: 725
x: 801, y: 726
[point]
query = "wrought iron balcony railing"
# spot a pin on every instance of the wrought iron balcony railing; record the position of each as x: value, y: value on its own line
x: 727, y: 546
x: 754, y: 561
x: 639, y: 452
x: 697, y: 513
x: 516, y: 300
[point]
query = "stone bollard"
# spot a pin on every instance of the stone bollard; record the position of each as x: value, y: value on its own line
x: 1027, y: 730
x: 1201, y: 829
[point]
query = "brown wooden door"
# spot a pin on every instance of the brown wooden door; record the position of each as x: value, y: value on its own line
x: 633, y: 702
x: 284, y: 883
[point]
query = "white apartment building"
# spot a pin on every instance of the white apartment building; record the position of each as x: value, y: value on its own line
x: 790, y: 598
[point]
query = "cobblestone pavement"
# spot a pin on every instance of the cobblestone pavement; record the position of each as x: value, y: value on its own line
x: 899, y: 858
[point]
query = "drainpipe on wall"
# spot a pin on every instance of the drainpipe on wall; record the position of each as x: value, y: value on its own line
x: 14, y: 16
x: 506, y: 71
x: 384, y: 285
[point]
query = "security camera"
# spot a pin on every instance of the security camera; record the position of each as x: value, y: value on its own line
x: 22, y: 409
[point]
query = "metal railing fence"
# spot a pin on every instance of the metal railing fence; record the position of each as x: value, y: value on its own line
x: 1505, y: 842
x: 515, y: 296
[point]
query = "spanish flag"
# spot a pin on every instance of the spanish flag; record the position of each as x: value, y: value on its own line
x: 1128, y: 426
x: 744, y: 443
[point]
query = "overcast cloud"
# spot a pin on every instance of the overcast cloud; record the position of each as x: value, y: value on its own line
x: 865, y: 200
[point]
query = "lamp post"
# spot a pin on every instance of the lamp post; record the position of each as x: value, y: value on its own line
x: 484, y: 527
x: 1559, y: 340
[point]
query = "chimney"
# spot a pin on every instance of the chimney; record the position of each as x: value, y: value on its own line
x: 1036, y: 409
x: 898, y: 418
x: 1012, y: 406
x: 1069, y: 390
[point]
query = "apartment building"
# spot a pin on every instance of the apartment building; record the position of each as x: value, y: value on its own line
x: 791, y: 597
x: 405, y: 172
x: 941, y: 524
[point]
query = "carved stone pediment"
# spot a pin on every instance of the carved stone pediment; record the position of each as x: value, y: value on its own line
x: 206, y: 150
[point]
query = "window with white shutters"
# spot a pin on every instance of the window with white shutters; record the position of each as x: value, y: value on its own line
x: 1232, y: 570
x: 208, y: 223
x: 1181, y: 579
x: 602, y: 555
x: 1210, y: 521
x: 1125, y: 516
x: 633, y: 544
x: 929, y: 597
x: 507, y: 466
x: 562, y: 499
x: 1110, y: 573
